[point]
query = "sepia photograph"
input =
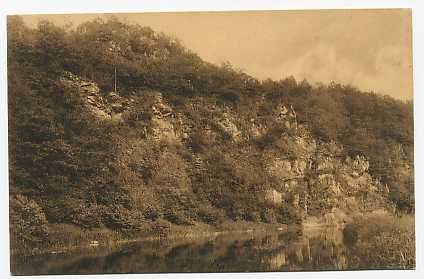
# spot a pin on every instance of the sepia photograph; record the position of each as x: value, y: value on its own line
x: 211, y: 142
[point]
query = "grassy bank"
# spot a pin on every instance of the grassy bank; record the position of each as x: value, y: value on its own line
x: 382, y: 240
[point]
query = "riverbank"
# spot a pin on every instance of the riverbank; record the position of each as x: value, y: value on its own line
x: 63, y: 238
x: 380, y: 239
x: 383, y: 240
x: 259, y: 250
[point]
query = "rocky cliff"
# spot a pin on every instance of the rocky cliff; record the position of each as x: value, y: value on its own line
x: 204, y: 161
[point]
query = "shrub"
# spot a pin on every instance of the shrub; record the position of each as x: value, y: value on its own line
x: 27, y: 220
x: 253, y: 216
x: 229, y: 96
x: 160, y: 228
x: 210, y: 215
x: 151, y: 213
x: 119, y: 218
x: 87, y: 216
x: 287, y: 214
x: 271, y: 136
x: 178, y: 217
x: 382, y: 240
x: 268, y: 215
x: 199, y: 141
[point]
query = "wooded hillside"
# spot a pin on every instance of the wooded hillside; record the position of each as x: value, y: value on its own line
x: 184, y: 140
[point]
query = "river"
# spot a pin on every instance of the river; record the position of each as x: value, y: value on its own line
x: 295, y: 250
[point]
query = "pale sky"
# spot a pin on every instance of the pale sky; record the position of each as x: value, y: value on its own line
x: 368, y: 49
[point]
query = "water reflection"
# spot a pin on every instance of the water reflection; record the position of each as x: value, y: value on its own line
x: 288, y: 251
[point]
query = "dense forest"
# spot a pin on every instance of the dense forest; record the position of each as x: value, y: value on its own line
x: 184, y: 141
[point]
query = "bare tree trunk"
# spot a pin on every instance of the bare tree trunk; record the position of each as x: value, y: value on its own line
x: 114, y: 86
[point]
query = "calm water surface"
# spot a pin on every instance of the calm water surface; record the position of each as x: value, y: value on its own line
x: 297, y: 250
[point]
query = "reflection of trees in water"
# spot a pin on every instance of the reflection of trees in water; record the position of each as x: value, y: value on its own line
x: 323, y: 250
x: 289, y: 251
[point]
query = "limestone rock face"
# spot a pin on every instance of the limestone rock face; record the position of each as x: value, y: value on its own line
x: 358, y: 165
x: 274, y: 197
x: 346, y: 184
x: 89, y: 93
x: 227, y: 124
x: 160, y: 108
x: 184, y: 128
x: 317, y: 178
x: 280, y: 168
x: 118, y: 105
x: 313, y: 177
x: 286, y: 115
x: 163, y: 129
x: 257, y: 129
x: 108, y: 106
x: 162, y: 120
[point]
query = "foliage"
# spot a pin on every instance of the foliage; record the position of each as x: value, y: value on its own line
x: 95, y: 174
x: 27, y: 219
x: 382, y: 240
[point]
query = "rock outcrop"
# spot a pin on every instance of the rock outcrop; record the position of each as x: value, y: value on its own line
x: 162, y: 120
x: 226, y: 122
x: 309, y: 175
x: 109, y: 106
x: 316, y: 178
